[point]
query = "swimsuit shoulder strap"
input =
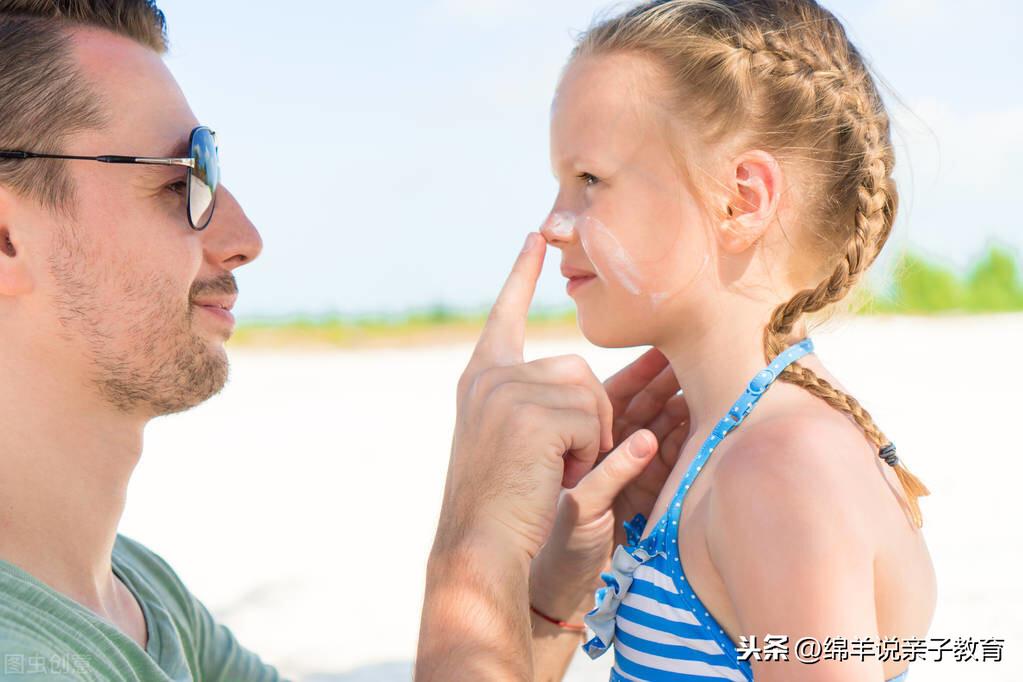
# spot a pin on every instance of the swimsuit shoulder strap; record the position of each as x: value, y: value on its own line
x: 740, y: 408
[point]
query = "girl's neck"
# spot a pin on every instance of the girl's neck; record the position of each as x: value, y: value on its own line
x: 714, y: 361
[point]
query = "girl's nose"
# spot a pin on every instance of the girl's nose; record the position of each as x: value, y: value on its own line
x: 559, y: 229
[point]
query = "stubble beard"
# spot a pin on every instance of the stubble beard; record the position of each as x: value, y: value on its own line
x: 144, y: 355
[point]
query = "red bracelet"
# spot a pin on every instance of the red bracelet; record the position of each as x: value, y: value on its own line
x: 560, y: 623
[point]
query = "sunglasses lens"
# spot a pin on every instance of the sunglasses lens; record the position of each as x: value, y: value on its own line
x: 202, y: 185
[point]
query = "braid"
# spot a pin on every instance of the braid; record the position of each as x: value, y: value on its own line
x: 876, y: 207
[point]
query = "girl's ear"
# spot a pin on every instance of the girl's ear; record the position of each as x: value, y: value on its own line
x: 755, y: 188
x: 15, y: 276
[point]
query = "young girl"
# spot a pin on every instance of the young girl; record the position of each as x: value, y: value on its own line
x: 724, y: 171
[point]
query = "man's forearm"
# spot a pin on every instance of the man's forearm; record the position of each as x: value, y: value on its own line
x: 475, y: 623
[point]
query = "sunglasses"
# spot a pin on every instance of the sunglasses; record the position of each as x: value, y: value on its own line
x: 203, y: 171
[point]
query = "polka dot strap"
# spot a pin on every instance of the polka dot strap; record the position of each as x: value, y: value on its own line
x: 740, y: 408
x: 758, y: 385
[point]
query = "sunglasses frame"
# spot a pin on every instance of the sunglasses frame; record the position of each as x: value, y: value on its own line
x: 189, y: 163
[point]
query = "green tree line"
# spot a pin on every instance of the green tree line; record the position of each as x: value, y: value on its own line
x: 916, y: 286
x: 921, y: 286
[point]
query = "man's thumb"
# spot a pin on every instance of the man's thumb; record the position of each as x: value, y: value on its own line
x: 598, y: 490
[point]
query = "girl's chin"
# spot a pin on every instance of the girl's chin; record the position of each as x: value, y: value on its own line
x: 605, y: 329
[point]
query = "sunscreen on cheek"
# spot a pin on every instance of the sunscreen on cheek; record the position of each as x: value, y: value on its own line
x: 651, y: 281
x: 609, y: 258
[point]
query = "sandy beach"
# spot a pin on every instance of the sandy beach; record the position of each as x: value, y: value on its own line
x: 300, y: 503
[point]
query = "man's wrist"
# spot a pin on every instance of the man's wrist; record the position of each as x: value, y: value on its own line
x: 563, y: 597
x: 569, y: 608
x: 489, y: 548
x: 481, y: 533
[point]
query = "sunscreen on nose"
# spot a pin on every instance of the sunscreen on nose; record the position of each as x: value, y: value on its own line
x: 562, y: 225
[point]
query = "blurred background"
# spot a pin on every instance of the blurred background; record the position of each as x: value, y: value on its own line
x: 393, y: 157
x: 413, y: 152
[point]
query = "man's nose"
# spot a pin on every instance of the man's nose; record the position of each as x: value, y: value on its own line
x: 559, y: 228
x: 231, y: 239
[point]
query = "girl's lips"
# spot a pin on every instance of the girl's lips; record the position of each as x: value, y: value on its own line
x: 570, y: 272
x: 574, y: 283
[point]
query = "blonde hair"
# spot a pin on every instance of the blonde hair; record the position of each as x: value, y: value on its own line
x: 782, y: 75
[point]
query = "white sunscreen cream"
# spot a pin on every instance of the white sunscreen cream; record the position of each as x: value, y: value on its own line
x: 612, y: 262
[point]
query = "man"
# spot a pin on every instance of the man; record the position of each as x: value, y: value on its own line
x: 114, y: 311
x: 117, y: 252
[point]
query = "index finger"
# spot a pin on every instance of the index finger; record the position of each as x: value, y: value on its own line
x: 627, y: 382
x: 504, y: 333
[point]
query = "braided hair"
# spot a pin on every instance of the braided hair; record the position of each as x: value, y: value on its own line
x: 782, y: 75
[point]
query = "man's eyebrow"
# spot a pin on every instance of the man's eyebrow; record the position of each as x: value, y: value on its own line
x: 175, y: 150
x: 178, y: 149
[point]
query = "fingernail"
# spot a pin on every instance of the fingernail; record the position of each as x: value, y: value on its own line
x: 530, y: 241
x: 640, y: 445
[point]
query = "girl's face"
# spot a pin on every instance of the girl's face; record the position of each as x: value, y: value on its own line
x: 634, y: 240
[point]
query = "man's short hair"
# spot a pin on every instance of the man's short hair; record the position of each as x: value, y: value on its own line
x: 43, y: 98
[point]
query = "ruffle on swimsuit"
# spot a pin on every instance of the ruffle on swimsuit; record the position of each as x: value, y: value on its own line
x: 626, y: 559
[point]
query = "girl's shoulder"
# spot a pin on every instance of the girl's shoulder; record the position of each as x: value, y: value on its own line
x: 806, y: 463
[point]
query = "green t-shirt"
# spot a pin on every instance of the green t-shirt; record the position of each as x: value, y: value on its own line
x: 45, y: 635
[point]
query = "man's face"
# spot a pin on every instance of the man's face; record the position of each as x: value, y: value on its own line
x: 118, y: 288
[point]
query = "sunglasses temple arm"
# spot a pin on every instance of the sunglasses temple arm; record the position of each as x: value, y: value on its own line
x: 190, y: 163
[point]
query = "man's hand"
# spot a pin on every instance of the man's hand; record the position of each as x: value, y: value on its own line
x: 645, y: 395
x: 523, y: 430
x: 590, y: 517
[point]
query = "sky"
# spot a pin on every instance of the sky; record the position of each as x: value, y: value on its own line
x: 394, y: 155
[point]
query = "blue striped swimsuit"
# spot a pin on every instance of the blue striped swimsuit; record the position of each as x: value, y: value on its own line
x: 660, y: 629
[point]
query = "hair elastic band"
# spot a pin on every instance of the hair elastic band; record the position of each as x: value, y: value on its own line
x: 887, y: 453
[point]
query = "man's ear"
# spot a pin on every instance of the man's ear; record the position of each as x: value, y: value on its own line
x: 15, y: 277
x: 754, y: 184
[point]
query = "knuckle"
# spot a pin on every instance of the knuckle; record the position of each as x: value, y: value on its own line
x: 644, y: 402
x: 586, y: 399
x: 489, y: 380
x: 526, y: 415
x: 587, y: 431
x: 574, y: 367
x: 500, y: 394
x: 608, y: 471
x: 467, y: 381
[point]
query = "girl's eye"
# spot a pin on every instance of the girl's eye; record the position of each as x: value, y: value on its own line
x: 589, y: 179
x: 178, y: 187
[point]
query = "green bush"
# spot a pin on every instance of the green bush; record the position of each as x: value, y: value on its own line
x: 993, y: 284
x: 920, y: 286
